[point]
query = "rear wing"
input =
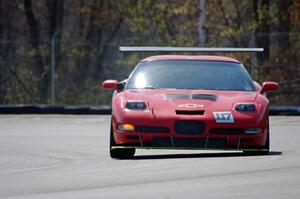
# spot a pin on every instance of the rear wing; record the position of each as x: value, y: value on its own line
x: 184, y: 49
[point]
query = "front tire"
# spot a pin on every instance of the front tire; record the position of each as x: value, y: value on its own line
x: 119, y: 153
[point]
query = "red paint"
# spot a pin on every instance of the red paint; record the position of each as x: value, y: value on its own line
x: 268, y: 86
x: 110, y: 84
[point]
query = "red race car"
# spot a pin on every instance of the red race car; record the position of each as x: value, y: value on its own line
x: 189, y: 102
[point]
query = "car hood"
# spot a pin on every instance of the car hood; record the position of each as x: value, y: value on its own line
x: 164, y: 100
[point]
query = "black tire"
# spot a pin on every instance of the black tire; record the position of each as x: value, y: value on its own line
x: 119, y: 153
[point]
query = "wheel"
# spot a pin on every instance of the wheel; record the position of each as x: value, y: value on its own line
x: 263, y: 151
x: 118, y: 153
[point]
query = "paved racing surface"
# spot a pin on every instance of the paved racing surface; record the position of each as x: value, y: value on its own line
x: 58, y: 156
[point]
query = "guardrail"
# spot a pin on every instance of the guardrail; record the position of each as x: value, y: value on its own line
x: 50, y: 109
x: 104, y: 110
x: 284, y: 110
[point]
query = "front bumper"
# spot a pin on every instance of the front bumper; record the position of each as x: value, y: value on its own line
x: 152, y: 133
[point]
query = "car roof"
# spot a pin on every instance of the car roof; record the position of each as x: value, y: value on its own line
x: 189, y: 57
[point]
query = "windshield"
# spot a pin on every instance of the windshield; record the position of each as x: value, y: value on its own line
x: 190, y: 74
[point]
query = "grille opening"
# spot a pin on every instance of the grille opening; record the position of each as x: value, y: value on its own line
x: 247, y: 140
x: 152, y: 129
x: 189, y: 142
x: 132, y: 137
x: 227, y: 131
x: 189, y: 112
x: 189, y: 127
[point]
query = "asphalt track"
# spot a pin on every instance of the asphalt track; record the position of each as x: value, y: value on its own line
x: 58, y: 156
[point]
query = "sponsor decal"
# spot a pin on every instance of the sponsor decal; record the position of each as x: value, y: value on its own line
x: 223, y: 117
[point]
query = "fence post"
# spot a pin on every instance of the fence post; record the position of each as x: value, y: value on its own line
x: 53, y: 64
x: 201, y: 28
x: 253, y: 55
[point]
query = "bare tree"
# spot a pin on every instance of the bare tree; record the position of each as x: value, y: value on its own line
x: 262, y: 18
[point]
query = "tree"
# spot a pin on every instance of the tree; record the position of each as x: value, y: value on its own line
x: 261, y: 11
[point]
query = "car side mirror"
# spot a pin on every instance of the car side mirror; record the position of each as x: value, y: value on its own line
x: 268, y: 86
x: 110, y: 84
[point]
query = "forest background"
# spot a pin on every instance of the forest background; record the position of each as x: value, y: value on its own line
x: 80, y: 40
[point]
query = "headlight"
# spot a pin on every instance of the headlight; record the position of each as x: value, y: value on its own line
x: 245, y: 108
x: 135, y: 105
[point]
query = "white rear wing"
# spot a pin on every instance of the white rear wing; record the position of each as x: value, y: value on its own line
x: 184, y: 49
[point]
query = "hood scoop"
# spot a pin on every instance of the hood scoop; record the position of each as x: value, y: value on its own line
x: 192, y: 96
x: 204, y: 97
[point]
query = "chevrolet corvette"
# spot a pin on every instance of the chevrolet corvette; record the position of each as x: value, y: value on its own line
x: 189, y: 102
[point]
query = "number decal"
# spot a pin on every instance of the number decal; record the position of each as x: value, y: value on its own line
x: 223, y: 117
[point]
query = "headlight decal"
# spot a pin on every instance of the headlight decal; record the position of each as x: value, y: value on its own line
x: 136, y: 105
x: 250, y: 108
